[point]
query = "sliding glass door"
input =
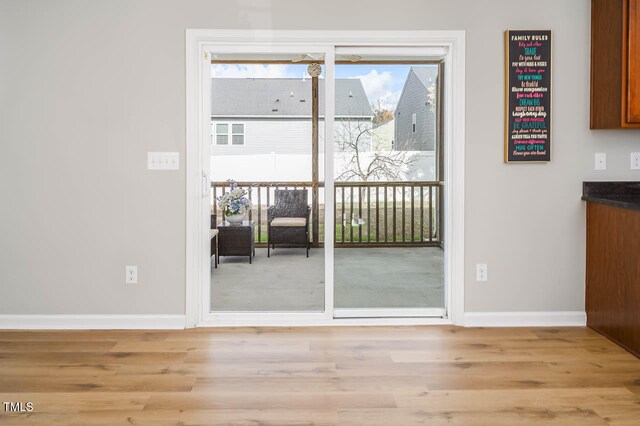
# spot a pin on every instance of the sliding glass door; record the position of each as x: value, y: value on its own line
x: 326, y: 169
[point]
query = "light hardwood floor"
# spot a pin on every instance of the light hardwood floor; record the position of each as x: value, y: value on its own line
x: 320, y: 376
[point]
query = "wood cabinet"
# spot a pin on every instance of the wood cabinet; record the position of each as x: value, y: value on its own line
x: 613, y: 273
x: 615, y: 64
x: 633, y: 55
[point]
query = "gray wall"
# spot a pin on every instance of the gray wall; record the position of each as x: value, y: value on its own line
x: 87, y: 88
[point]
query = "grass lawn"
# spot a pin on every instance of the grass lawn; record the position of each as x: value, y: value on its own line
x: 366, y: 231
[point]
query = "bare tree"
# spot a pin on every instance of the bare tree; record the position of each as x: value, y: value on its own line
x: 381, y: 114
x: 432, y: 96
x: 369, y: 156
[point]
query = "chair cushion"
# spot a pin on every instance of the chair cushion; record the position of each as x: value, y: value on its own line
x: 289, y: 221
x: 213, y: 233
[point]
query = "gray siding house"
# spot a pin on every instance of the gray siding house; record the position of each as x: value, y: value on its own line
x: 252, y: 116
x: 414, y: 119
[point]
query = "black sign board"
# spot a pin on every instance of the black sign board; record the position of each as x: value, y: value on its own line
x: 528, y: 96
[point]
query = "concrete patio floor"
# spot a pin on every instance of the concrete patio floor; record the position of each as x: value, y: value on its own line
x: 402, y: 277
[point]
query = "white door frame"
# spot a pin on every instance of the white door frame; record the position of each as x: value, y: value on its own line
x: 198, y: 45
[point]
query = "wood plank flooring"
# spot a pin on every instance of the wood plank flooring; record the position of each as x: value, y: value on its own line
x: 436, y: 375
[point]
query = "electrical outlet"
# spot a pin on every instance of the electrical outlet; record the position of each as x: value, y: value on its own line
x: 131, y: 274
x: 635, y: 161
x: 481, y: 272
x: 601, y: 161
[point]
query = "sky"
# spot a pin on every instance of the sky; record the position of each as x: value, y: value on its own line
x: 382, y: 82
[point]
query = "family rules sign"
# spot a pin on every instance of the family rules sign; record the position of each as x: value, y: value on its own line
x: 528, y: 96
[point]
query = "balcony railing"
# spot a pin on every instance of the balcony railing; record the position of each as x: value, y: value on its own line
x: 387, y: 213
x: 366, y: 213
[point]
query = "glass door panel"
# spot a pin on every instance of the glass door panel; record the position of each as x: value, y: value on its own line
x: 389, y: 257
x: 266, y: 251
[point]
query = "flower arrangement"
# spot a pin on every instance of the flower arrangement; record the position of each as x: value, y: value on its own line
x: 234, y: 202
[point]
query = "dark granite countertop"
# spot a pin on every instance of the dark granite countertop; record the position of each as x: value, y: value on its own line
x: 618, y: 194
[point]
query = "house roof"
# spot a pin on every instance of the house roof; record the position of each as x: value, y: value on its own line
x: 426, y: 75
x: 283, y: 97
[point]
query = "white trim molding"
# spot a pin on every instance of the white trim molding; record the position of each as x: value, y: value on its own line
x: 285, y: 320
x: 526, y: 319
x: 92, y: 322
x: 448, y: 46
x: 390, y: 313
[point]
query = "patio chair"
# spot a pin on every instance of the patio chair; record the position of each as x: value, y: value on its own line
x: 213, y: 235
x: 288, y: 219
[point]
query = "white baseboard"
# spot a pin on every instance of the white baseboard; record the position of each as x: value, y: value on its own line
x: 91, y: 322
x: 525, y: 319
x: 174, y: 322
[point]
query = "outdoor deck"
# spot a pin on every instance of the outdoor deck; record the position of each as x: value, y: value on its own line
x: 381, y: 277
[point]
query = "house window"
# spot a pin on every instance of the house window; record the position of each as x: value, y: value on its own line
x: 222, y: 134
x: 413, y: 123
x: 237, y: 134
x: 224, y: 131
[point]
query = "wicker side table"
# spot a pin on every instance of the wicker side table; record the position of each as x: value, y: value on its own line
x: 236, y: 240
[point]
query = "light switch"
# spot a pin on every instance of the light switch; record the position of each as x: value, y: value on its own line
x: 163, y: 160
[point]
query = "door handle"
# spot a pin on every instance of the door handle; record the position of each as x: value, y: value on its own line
x: 206, y: 185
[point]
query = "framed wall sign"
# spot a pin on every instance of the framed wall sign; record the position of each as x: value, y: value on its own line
x: 528, y: 96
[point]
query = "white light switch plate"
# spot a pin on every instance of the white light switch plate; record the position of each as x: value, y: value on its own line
x: 163, y: 160
x: 601, y: 161
x: 635, y: 161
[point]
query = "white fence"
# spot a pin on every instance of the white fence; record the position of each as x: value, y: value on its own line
x: 297, y: 167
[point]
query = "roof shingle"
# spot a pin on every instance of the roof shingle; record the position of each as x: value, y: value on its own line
x: 426, y: 75
x: 283, y: 97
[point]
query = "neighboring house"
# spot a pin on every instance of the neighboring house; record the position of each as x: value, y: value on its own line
x: 383, y: 136
x: 415, y: 117
x: 254, y: 116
